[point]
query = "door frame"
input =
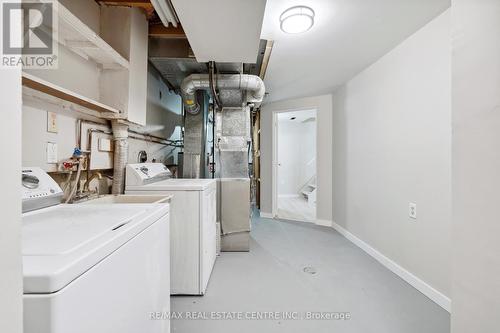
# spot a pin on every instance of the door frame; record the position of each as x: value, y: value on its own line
x: 274, y: 175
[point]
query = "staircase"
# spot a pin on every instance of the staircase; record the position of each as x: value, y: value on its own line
x: 309, y: 191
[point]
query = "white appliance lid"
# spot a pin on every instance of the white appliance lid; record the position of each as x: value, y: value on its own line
x: 176, y: 184
x: 60, y: 243
x: 146, y: 173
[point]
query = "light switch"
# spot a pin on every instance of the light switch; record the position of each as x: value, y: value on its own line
x: 52, y: 122
x: 51, y: 152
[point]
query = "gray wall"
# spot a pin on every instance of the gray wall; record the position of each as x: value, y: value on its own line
x: 323, y: 105
x: 476, y: 166
x: 10, y: 222
x: 392, y: 146
x: 163, y: 111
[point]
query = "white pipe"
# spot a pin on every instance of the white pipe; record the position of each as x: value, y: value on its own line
x: 77, y: 180
x: 251, y: 83
x: 165, y: 12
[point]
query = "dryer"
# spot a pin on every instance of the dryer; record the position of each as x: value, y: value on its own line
x: 92, y: 268
x: 192, y: 223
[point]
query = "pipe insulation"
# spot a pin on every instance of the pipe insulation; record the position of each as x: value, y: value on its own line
x: 120, y: 159
x: 252, y: 84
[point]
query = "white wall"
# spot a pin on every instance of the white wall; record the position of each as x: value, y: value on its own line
x: 323, y: 105
x: 35, y: 135
x: 160, y: 112
x: 296, y: 151
x: 476, y: 166
x: 392, y: 146
x: 10, y: 199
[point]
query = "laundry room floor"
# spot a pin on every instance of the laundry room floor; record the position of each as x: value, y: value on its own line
x: 295, y: 270
x: 296, y: 209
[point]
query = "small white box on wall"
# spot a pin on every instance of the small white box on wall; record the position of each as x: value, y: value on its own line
x: 52, y: 122
x: 51, y: 152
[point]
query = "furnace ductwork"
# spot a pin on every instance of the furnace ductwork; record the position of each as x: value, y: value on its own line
x: 120, y: 137
x: 252, y: 84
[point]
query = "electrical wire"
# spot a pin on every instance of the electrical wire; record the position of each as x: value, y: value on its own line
x: 67, y: 182
x: 213, y: 83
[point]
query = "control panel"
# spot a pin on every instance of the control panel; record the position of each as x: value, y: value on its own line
x: 146, y: 173
x: 38, y: 189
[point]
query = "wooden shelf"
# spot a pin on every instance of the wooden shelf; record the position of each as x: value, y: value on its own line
x: 80, y: 39
x: 51, y: 89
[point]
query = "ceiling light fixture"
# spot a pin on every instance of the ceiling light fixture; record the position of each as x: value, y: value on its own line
x: 296, y: 20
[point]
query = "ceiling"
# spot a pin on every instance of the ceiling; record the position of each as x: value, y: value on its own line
x: 348, y: 36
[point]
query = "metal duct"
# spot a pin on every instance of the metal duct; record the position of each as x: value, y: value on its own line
x: 231, y: 98
x: 194, y: 140
x: 252, y: 84
x: 232, y: 136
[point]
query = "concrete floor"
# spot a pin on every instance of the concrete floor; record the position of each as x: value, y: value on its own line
x: 271, y: 278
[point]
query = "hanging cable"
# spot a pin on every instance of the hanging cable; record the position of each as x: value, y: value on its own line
x: 213, y: 84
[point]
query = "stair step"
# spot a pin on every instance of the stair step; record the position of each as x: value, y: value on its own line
x: 307, y: 193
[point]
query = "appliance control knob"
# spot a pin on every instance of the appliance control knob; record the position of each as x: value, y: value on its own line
x: 30, y: 182
x: 142, y: 156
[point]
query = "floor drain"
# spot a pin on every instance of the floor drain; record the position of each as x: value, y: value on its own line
x: 309, y: 270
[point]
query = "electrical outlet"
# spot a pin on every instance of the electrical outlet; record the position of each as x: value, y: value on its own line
x: 412, y: 210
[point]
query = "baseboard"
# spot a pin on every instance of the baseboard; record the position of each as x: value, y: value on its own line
x: 325, y: 223
x: 266, y: 215
x: 433, y: 294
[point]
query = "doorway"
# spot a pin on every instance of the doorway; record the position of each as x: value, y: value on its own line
x: 294, y: 165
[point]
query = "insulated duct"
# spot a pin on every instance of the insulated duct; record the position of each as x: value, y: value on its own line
x: 194, y: 140
x: 120, y: 159
x: 252, y: 84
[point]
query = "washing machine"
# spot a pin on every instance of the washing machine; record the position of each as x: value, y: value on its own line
x: 192, y: 223
x: 96, y: 268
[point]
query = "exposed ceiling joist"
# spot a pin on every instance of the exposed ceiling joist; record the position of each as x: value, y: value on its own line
x: 161, y: 31
x: 132, y: 3
x: 265, y: 58
x: 144, y: 4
